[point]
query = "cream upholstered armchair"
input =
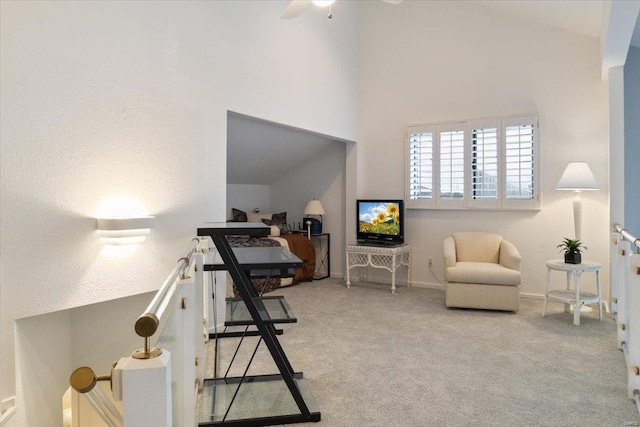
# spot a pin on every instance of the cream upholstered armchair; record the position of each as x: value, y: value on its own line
x: 482, y: 270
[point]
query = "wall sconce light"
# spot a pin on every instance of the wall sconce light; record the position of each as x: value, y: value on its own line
x: 577, y: 177
x: 125, y: 230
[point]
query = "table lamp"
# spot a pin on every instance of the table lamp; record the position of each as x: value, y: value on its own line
x: 314, y: 207
x: 577, y: 177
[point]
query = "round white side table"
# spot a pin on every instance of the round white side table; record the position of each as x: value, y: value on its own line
x: 573, y: 296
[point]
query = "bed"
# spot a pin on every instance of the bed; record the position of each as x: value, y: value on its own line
x: 297, y: 243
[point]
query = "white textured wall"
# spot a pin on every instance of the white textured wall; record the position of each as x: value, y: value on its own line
x: 108, y: 98
x: 44, y: 367
x: 435, y: 61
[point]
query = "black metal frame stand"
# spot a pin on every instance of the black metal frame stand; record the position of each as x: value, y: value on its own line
x: 268, y: 334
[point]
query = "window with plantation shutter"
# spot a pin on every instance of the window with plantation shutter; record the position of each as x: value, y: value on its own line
x: 520, y: 152
x: 452, y: 165
x: 484, y: 163
x: 420, y: 164
x: 484, y: 172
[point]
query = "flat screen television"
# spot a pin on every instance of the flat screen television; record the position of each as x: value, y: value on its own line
x: 380, y: 221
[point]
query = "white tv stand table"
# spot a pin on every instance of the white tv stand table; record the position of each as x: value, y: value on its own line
x: 388, y: 257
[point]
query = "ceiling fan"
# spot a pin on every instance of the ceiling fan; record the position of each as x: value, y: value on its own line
x: 295, y: 8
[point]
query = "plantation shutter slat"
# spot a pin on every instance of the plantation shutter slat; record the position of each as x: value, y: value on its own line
x: 484, y: 163
x: 420, y: 157
x: 421, y: 166
x: 519, y: 162
x: 451, y: 165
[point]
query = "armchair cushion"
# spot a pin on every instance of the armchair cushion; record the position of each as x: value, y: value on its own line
x: 482, y: 273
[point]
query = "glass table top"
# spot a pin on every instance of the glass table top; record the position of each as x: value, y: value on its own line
x: 276, y: 258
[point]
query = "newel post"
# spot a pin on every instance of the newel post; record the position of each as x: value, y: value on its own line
x: 144, y: 387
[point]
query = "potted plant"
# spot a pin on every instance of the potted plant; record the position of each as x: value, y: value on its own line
x: 572, y: 250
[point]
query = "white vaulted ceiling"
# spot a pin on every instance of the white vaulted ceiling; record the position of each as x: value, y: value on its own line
x: 578, y: 16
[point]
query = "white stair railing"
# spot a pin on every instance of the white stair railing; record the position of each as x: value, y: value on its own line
x: 625, y: 304
x: 158, y: 384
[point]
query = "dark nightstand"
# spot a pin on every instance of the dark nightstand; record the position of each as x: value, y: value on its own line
x: 322, y: 243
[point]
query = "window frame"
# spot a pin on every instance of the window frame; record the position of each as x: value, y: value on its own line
x: 502, y: 201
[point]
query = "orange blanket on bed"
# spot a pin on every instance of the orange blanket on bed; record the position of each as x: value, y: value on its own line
x: 302, y: 248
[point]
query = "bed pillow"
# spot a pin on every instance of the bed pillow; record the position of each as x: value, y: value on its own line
x: 279, y: 220
x: 238, y: 215
x: 280, y: 217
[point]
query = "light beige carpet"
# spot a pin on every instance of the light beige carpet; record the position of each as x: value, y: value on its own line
x: 377, y: 359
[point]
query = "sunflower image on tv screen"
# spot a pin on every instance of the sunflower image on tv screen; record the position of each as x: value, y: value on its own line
x: 382, y: 218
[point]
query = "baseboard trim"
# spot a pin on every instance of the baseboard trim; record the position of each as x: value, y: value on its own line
x: 531, y: 296
x: 8, y: 409
x: 427, y: 285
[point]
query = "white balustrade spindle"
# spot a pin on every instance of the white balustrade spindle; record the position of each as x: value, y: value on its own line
x: 633, y: 362
x: 625, y: 305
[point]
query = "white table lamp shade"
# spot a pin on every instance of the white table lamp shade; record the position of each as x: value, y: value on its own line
x: 577, y: 176
x: 314, y: 207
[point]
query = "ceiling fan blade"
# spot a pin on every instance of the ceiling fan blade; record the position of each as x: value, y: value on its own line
x: 393, y: 1
x: 294, y: 9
